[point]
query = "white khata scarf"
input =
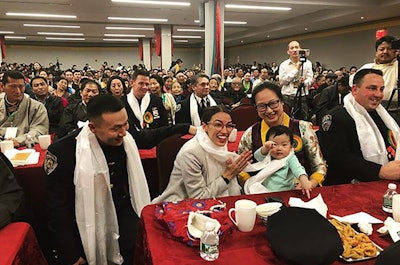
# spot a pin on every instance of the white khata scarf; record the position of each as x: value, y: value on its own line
x: 254, y: 185
x: 218, y: 155
x: 194, y: 112
x: 138, y: 110
x: 94, y: 206
x: 372, y: 143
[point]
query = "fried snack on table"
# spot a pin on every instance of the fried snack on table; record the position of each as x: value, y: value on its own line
x: 355, y: 245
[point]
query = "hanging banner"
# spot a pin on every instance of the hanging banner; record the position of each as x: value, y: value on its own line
x: 3, y: 46
x: 157, y: 39
x: 216, y: 65
x: 141, y: 49
x: 172, y: 44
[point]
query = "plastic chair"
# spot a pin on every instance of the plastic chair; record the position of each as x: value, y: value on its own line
x: 166, y: 152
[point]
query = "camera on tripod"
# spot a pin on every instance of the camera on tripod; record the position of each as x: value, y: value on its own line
x: 303, y: 54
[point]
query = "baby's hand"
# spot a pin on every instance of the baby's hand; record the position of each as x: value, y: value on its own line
x: 306, y: 185
x: 268, y: 145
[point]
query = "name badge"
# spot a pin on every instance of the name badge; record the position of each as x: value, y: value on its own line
x: 11, y: 132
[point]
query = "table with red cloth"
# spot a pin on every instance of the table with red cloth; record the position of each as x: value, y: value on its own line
x: 155, y: 244
x: 19, y: 245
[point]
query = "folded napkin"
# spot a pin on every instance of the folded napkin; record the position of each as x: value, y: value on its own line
x: 317, y: 203
x: 392, y: 227
x: 22, y: 157
x: 355, y: 218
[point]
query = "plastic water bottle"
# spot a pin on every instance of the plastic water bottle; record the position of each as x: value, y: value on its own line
x: 209, y: 243
x: 29, y: 142
x: 388, y: 196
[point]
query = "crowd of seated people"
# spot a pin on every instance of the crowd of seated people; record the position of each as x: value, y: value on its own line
x: 161, y: 102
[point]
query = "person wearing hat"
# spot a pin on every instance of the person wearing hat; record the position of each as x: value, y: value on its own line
x: 359, y: 139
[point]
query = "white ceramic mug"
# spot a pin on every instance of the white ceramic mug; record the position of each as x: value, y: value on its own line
x: 6, y: 145
x: 396, y: 207
x: 233, y: 135
x: 245, y: 215
x: 44, y: 141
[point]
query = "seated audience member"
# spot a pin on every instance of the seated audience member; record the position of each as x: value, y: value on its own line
x: 359, y: 139
x: 167, y: 84
x: 19, y: 111
x: 214, y: 90
x: 247, y: 84
x: 332, y: 96
x: 61, y: 90
x: 144, y: 109
x: 285, y: 169
x: 268, y: 99
x: 177, y: 92
x: 235, y: 93
x: 193, y: 107
x: 96, y: 188
x: 203, y: 168
x: 156, y: 84
x: 116, y: 86
x: 11, y: 194
x: 74, y: 115
x: 53, y: 104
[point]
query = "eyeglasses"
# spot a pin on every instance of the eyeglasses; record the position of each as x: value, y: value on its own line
x: 273, y: 104
x: 219, y: 126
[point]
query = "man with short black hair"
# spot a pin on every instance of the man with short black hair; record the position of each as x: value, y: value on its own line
x: 192, y: 108
x: 53, y: 104
x: 96, y: 188
x: 145, y: 110
x: 20, y: 115
x: 359, y: 139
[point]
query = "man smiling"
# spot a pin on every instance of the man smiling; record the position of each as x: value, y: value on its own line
x: 359, y: 139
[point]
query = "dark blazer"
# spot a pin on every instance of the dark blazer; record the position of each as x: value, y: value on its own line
x: 341, y: 148
x: 328, y: 99
x: 156, y: 109
x: 182, y: 114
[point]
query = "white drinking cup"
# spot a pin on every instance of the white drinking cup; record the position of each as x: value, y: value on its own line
x: 245, y: 215
x: 6, y: 145
x: 396, y: 207
x: 233, y: 135
x: 44, y: 141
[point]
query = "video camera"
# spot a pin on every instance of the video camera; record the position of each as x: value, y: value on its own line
x: 396, y: 44
x: 304, y: 53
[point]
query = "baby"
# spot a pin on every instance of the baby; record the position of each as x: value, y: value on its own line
x: 279, y: 146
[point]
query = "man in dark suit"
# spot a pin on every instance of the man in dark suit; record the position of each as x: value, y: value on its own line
x: 332, y: 96
x: 191, y: 109
x: 144, y: 109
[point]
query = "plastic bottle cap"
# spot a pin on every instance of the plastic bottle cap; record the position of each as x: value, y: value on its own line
x: 392, y: 186
x: 210, y: 226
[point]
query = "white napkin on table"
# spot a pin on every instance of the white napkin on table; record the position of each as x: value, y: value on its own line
x: 32, y: 159
x: 360, y: 217
x: 392, y: 227
x: 317, y: 203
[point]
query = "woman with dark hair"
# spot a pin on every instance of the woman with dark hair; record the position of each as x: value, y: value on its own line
x: 155, y: 88
x: 204, y: 167
x: 168, y: 80
x: 116, y: 86
x: 268, y: 100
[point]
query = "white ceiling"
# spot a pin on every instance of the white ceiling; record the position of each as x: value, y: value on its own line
x: 92, y: 17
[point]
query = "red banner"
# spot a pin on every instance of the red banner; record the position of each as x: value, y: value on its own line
x: 157, y: 39
x: 380, y: 33
x: 172, y: 43
x: 141, y: 49
x: 3, y: 46
x: 217, y: 54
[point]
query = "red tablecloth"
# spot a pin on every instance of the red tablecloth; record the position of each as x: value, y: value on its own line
x: 19, y: 245
x: 155, y: 245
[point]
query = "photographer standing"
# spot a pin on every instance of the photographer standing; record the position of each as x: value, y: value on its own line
x: 296, y: 73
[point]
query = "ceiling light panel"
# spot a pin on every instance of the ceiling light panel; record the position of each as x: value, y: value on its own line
x: 272, y: 8
x: 39, y: 15
x: 14, y: 37
x: 6, y: 32
x: 191, y: 30
x: 185, y: 37
x: 124, y: 35
x: 139, y: 19
x: 166, y: 3
x: 56, y: 38
x: 122, y: 40
x: 60, y: 33
x: 129, y: 28
x: 52, y: 26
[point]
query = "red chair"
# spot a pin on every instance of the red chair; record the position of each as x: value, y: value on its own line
x: 244, y: 116
x: 167, y: 150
